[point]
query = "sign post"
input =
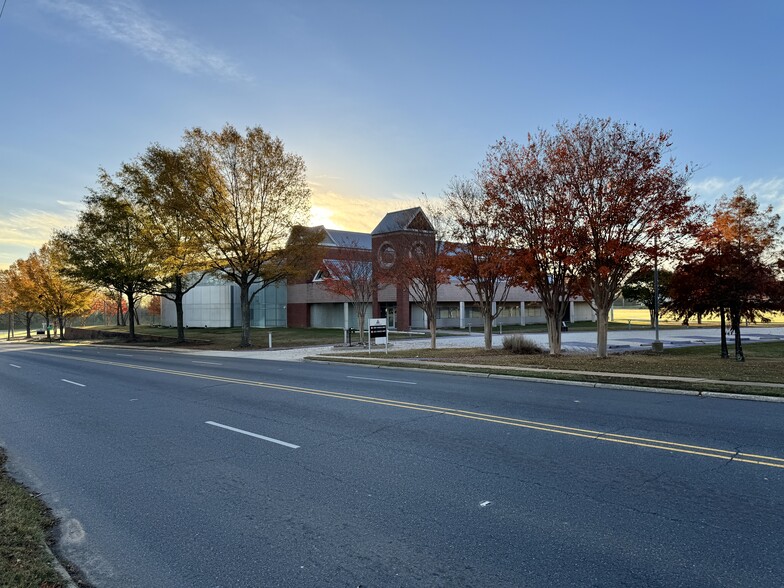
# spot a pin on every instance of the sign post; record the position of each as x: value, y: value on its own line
x: 377, y: 327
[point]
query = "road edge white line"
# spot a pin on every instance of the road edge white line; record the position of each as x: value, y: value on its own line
x: 249, y: 434
x: 72, y: 382
x: 15, y: 366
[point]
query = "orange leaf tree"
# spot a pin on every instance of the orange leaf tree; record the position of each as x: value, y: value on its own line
x: 536, y: 218
x: 22, y: 293
x: 351, y: 276
x: 629, y: 200
x: 107, y: 247
x: 61, y: 296
x: 162, y: 183
x: 250, y: 192
x: 479, y: 256
x: 736, y: 268
x: 422, y: 267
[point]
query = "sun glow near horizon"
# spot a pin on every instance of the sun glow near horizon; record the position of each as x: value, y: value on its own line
x: 336, y: 211
x: 319, y: 215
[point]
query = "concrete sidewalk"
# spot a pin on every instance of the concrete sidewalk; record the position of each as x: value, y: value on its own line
x: 572, y: 342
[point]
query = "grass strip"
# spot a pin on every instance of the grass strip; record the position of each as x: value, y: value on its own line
x: 223, y: 339
x: 25, y: 523
x: 604, y: 379
x: 764, y: 364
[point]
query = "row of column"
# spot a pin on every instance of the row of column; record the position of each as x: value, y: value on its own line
x: 522, y: 313
x: 347, y: 315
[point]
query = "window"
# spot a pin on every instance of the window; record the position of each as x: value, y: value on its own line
x: 473, y: 311
x: 447, y: 312
x: 418, y: 250
x: 386, y: 255
x: 532, y: 309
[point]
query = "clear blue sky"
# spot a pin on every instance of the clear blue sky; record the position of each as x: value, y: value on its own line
x: 385, y: 100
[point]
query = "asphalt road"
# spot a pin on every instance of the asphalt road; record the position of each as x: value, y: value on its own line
x: 387, y: 478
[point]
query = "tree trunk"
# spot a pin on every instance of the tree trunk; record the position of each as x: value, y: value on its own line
x: 48, y: 330
x: 361, y: 322
x: 178, y: 296
x: 488, y: 331
x: 28, y: 323
x: 554, y: 312
x: 131, y: 312
x: 432, y: 324
x: 180, y: 319
x: 602, y: 316
x: 735, y: 320
x: 554, y: 335
x: 725, y: 354
x: 652, y: 313
x: 61, y: 322
x: 245, y: 314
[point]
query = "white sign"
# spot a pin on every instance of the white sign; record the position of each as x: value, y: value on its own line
x: 377, y: 326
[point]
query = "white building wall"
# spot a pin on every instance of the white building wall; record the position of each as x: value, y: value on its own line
x: 332, y: 316
x: 203, y: 306
x: 212, y: 302
x: 168, y: 313
x: 583, y: 312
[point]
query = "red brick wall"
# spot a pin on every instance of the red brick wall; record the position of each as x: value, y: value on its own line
x: 403, y: 309
x: 297, y: 315
x: 401, y: 242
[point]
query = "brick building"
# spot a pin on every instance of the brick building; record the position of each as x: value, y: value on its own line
x: 306, y: 303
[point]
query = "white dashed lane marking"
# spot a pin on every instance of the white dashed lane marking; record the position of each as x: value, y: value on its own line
x: 249, y: 434
x: 72, y: 382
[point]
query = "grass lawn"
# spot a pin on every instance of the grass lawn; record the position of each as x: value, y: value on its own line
x: 642, y: 318
x: 283, y: 337
x: 764, y: 363
x: 624, y: 319
x: 229, y: 338
x: 24, y: 525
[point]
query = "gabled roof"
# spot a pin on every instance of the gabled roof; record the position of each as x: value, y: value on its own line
x: 349, y: 239
x: 410, y: 219
x: 334, y: 237
x: 340, y: 270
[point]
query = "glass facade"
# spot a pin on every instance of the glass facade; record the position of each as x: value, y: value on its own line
x: 268, y: 308
x: 216, y: 303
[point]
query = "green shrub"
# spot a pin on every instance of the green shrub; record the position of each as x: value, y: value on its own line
x: 520, y: 345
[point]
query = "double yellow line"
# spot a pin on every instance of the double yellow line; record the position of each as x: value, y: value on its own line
x: 727, y: 455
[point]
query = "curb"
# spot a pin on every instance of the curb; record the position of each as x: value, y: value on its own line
x: 60, y: 568
x: 488, y: 375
